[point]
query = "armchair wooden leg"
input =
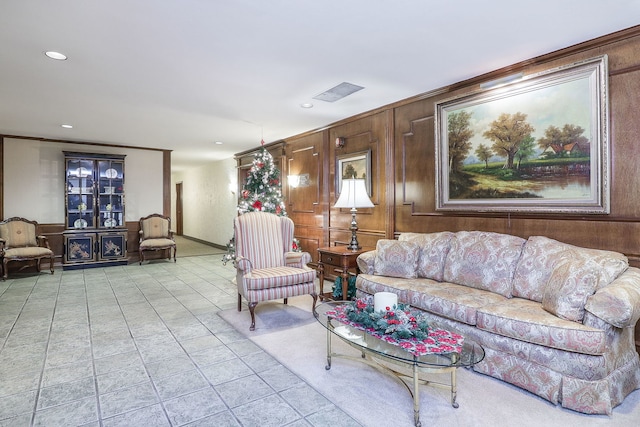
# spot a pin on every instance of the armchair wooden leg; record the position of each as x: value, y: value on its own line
x: 175, y: 249
x: 286, y: 300
x: 51, y: 264
x: 252, y: 307
x: 5, y: 270
x: 239, y: 302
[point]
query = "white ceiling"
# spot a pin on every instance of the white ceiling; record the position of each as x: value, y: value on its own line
x: 182, y: 74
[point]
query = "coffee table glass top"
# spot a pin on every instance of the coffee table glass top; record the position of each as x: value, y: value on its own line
x: 471, y: 353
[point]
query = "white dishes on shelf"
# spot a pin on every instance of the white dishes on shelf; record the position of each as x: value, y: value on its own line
x: 111, y: 173
x: 110, y: 222
x: 80, y: 223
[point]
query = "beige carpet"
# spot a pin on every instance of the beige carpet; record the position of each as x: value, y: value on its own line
x: 291, y: 335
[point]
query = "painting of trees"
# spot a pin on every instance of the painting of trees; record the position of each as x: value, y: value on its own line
x: 508, y: 132
x: 538, y: 144
x: 349, y: 172
x: 460, y: 133
x: 526, y: 150
x: 556, y: 140
x: 484, y: 153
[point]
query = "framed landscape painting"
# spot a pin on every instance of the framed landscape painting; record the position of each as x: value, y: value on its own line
x: 354, y: 165
x: 536, y: 145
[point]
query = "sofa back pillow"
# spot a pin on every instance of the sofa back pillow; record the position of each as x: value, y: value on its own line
x: 483, y: 260
x: 396, y: 259
x: 540, y: 256
x: 434, y: 248
x: 571, y: 282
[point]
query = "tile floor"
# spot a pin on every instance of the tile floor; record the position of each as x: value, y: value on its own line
x: 141, y: 346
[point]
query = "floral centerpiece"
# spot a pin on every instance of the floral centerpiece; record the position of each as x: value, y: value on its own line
x: 398, y: 321
x: 398, y: 325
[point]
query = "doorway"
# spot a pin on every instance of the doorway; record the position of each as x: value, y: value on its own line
x: 179, y: 209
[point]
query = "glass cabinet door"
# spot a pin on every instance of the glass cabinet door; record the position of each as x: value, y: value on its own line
x: 110, y: 193
x: 80, y: 193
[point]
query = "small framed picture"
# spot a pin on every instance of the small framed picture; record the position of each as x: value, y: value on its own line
x: 353, y: 165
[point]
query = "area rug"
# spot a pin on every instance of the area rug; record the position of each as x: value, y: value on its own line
x: 292, y: 336
x: 271, y: 317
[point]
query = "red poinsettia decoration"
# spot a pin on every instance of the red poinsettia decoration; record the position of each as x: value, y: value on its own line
x: 257, y: 205
x: 245, y: 194
x: 278, y: 209
x: 260, y: 164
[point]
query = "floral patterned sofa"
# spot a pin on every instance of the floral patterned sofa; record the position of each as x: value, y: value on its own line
x: 555, y: 319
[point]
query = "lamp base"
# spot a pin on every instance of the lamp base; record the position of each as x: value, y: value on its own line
x: 353, y: 245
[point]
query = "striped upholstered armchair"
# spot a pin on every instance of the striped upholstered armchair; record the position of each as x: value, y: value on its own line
x: 267, y: 269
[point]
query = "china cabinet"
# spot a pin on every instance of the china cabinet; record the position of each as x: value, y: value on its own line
x: 94, y: 210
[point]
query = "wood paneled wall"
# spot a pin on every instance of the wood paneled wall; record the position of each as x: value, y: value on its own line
x: 401, y: 140
x: 620, y: 230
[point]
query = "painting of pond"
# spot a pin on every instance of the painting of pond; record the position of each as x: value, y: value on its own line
x: 536, y: 145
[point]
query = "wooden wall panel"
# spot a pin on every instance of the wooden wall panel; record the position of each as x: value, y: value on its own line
x: 306, y: 204
x: 401, y: 138
x: 625, y: 131
x: 619, y: 230
x: 304, y: 158
x: 368, y: 133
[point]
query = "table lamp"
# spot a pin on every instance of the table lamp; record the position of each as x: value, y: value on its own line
x: 353, y: 195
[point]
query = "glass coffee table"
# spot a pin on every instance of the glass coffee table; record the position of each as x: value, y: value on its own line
x: 393, y: 359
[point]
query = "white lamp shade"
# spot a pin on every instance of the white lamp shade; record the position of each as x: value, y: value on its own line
x: 353, y: 195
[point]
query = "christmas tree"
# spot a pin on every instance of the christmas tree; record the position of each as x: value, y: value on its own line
x: 262, y: 190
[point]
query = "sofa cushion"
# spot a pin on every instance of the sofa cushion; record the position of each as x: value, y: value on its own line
x: 483, y: 260
x: 541, y: 254
x: 396, y: 259
x: 568, y: 288
x: 450, y: 300
x: 371, y: 284
x: 527, y: 321
x: 434, y: 248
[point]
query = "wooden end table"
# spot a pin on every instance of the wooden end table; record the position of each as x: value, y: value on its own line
x: 337, y: 261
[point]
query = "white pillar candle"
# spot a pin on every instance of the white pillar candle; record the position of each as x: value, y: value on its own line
x: 382, y: 300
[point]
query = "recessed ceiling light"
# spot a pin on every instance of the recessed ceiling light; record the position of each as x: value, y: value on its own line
x: 218, y: 142
x: 56, y: 55
x: 306, y: 105
x: 67, y: 126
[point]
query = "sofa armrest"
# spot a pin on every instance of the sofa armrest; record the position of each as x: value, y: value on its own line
x: 297, y: 259
x: 366, y: 262
x: 619, y: 302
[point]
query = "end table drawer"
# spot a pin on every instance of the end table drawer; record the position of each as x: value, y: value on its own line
x: 330, y: 259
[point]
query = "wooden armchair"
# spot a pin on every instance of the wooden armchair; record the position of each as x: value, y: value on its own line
x: 267, y: 269
x: 19, y: 242
x: 156, y: 235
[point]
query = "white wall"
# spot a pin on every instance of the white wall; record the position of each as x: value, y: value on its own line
x: 34, y: 179
x: 209, y: 201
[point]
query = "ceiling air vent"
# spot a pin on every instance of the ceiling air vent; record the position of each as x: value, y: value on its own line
x: 338, y: 92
